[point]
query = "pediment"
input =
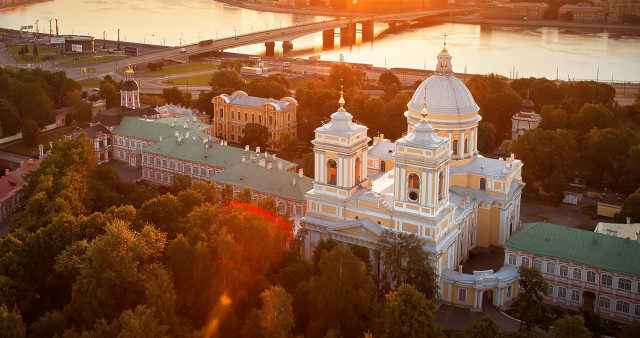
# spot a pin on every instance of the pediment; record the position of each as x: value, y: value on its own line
x: 363, y: 227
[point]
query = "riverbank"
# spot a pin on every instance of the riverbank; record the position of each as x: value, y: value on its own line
x: 311, y: 11
x: 536, y: 23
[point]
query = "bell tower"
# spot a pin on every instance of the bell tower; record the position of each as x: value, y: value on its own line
x: 340, y: 150
x: 130, y: 91
x: 422, y: 170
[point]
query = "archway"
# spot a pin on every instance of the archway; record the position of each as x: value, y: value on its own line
x: 487, y: 298
x: 588, y: 300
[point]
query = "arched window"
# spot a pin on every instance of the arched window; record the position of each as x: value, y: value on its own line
x: 245, y: 117
x: 624, y: 283
x: 413, y: 185
x: 455, y: 147
x: 270, y: 120
x: 260, y: 119
x: 221, y: 113
x: 622, y: 306
x: 358, y: 165
x: 332, y: 172
x: 466, y: 146
x: 440, y: 186
x: 383, y: 166
x: 483, y: 184
x: 253, y: 118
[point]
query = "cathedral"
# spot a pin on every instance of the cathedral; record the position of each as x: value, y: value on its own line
x: 431, y: 182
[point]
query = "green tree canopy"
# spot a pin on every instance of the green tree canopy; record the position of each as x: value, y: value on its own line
x: 483, y: 327
x: 226, y: 81
x: 255, y: 135
x: 387, y: 79
x: 570, y: 327
x: 408, y: 313
x: 486, y: 137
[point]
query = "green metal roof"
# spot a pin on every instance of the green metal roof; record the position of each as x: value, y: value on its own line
x: 148, y: 129
x: 272, y: 181
x: 575, y: 245
x: 210, y: 154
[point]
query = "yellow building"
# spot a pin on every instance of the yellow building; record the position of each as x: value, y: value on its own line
x: 232, y: 112
x: 436, y: 186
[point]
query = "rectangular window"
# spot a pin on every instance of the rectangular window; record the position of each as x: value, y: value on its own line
x: 509, y: 291
x: 577, y: 273
x: 164, y: 163
x: 637, y: 311
x: 551, y: 268
x: 624, y: 284
x: 525, y: 262
x: 180, y: 167
x: 575, y: 295
x: 607, y: 280
x: 562, y: 292
x: 564, y: 270
x: 203, y: 172
x: 550, y: 290
x: 172, y: 165
x: 187, y: 168
x: 157, y: 162
x: 210, y: 172
x: 512, y: 259
x: 591, y: 276
x: 537, y: 264
x: 462, y: 295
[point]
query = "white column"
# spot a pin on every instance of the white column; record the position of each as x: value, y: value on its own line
x: 403, y: 183
x: 430, y: 188
x: 423, y: 187
x: 461, y: 146
x: 397, y: 181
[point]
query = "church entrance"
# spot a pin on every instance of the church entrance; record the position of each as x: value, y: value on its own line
x: 588, y: 300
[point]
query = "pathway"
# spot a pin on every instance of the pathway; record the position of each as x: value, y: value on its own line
x: 454, y: 318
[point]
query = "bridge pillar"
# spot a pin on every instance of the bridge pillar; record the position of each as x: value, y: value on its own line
x: 287, y: 46
x: 328, y: 38
x: 271, y: 48
x: 367, y: 31
x: 348, y: 35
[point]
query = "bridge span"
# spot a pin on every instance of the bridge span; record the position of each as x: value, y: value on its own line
x: 286, y: 35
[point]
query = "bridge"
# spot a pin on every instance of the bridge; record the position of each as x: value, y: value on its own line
x: 347, y: 34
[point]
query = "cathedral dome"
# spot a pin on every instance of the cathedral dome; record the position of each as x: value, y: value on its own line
x: 129, y: 86
x: 527, y: 105
x: 446, y: 94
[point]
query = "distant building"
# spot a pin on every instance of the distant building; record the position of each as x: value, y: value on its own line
x: 101, y: 140
x: 134, y: 134
x: 380, y: 156
x: 609, y: 205
x: 525, y: 119
x: 584, y: 269
x: 170, y: 110
x: 11, y: 185
x: 514, y: 11
x: 98, y: 104
x: 583, y: 12
x: 61, y: 115
x: 620, y: 10
x: 622, y: 230
x: 233, y: 112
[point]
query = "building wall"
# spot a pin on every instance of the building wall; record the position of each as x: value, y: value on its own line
x: 514, y: 11
x: 554, y: 273
x: 229, y: 120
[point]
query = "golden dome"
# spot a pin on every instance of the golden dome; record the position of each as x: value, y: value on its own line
x: 129, y: 70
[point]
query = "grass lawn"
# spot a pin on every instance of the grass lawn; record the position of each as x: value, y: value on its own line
x: 196, y: 80
x: 90, y: 83
x: 188, y: 68
x: 92, y: 60
x: 32, y: 150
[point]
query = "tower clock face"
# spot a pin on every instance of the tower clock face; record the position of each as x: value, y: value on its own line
x: 413, y: 196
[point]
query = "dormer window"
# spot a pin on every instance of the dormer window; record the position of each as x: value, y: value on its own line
x: 413, y: 187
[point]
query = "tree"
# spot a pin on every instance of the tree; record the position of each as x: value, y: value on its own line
x: 153, y: 100
x: 173, y: 95
x: 226, y: 81
x: 486, y: 137
x: 180, y: 183
x: 497, y: 101
x: 227, y: 193
x: 406, y: 262
x: 11, y: 324
x: 484, y: 327
x: 570, y: 327
x: 342, y: 293
x: 553, y: 118
x: 9, y: 118
x: 604, y: 155
x: 255, y: 135
x: 592, y: 116
x: 110, y: 91
x: 276, y: 314
x: 529, y: 308
x: 30, y: 132
x: 407, y: 313
x: 163, y: 212
x: 286, y: 145
x: 35, y: 50
x: 343, y: 75
x: 387, y: 79
x: 245, y: 196
x: 268, y: 88
x: 631, y: 209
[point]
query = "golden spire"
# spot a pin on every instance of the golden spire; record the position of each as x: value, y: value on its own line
x: 341, y: 101
x: 129, y: 70
x: 424, y: 107
x: 445, y: 40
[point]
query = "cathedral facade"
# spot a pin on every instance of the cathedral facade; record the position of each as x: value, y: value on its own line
x: 433, y: 183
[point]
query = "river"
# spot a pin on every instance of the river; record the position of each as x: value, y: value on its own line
x: 506, y: 50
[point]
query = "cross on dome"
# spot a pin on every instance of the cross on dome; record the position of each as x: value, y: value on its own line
x: 424, y: 107
x: 341, y: 101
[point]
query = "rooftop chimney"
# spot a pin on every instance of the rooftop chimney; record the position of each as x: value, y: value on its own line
x: 21, y: 164
x: 468, y: 198
x: 243, y: 159
x: 300, y: 173
x: 294, y: 181
x: 460, y: 269
x: 30, y: 162
x: 628, y: 220
x: 258, y: 150
x: 7, y: 172
x: 269, y: 165
x: 261, y: 163
x: 160, y: 138
x: 279, y: 165
x: 40, y: 150
x: 274, y: 156
x: 246, y: 148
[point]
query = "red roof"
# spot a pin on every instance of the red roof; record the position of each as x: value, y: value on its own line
x: 12, y: 183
